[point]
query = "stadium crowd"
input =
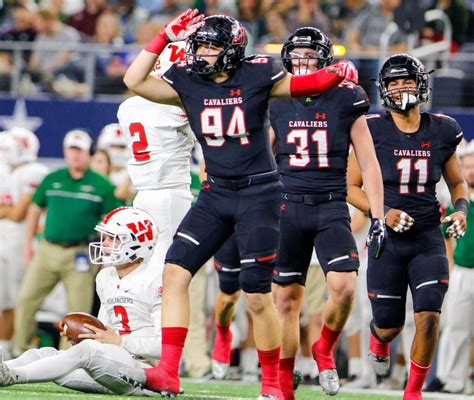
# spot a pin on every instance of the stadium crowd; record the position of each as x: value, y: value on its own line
x: 53, y: 254
x: 357, y: 25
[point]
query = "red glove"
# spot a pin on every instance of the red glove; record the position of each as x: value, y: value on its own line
x: 178, y: 29
x: 347, y: 70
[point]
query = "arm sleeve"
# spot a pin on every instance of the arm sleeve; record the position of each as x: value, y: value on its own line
x: 146, y: 346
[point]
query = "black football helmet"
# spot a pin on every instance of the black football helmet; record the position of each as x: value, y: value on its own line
x: 311, y: 38
x: 403, y: 66
x: 221, y: 31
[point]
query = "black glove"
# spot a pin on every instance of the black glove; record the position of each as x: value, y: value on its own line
x: 377, y: 233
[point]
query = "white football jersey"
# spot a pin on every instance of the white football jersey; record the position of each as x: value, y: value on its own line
x: 131, y: 306
x: 161, y: 141
x: 24, y: 180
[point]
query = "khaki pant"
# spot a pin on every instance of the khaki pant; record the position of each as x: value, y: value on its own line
x: 50, y: 264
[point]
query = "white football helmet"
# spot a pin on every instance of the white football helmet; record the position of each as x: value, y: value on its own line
x: 28, y: 145
x: 9, y: 150
x: 112, y: 141
x: 132, y: 234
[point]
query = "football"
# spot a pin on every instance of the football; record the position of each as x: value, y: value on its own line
x: 73, y: 325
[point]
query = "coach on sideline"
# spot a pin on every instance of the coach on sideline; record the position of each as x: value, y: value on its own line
x: 75, y: 198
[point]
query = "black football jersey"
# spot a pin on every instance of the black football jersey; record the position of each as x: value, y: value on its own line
x: 228, y: 118
x: 412, y: 163
x: 313, y: 136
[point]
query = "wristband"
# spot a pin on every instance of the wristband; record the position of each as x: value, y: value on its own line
x: 313, y: 84
x: 461, y: 205
x: 158, y: 44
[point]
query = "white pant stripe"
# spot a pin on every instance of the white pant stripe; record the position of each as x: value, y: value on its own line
x: 289, y: 273
x: 192, y: 240
x: 426, y: 283
x: 338, y: 259
x: 224, y: 269
x: 387, y: 296
x: 247, y: 260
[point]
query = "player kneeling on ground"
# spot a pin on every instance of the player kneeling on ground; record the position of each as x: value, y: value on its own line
x: 130, y: 296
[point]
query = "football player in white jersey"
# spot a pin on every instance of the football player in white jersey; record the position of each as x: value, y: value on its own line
x: 161, y: 142
x: 113, y: 142
x: 130, y: 297
x: 19, y: 181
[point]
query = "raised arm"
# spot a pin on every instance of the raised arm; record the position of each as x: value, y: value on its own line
x: 315, y: 83
x: 137, y: 77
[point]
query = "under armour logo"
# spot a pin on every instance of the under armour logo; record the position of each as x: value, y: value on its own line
x: 320, y: 115
x: 235, y: 92
x: 206, y: 186
x: 426, y: 144
x: 282, y: 207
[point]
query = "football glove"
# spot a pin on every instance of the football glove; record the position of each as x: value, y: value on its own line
x: 376, y: 236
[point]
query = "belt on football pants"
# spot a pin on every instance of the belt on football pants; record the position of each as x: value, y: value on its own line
x: 312, y: 199
x: 236, y: 184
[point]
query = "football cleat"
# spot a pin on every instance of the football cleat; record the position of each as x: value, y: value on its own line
x: 297, y: 379
x: 6, y: 376
x: 219, y: 370
x: 380, y: 364
x: 329, y: 381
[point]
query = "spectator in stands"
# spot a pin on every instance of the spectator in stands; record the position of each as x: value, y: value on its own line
x: 251, y: 16
x: 20, y: 30
x: 85, y: 21
x: 51, y: 31
x: 131, y: 17
x: 168, y: 10
x: 308, y: 13
x: 364, y: 33
x: 343, y: 12
x: 276, y: 27
x: 458, y: 14
x: 100, y: 162
x: 75, y: 198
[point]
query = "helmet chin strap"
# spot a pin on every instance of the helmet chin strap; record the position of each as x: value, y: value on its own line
x: 407, y: 100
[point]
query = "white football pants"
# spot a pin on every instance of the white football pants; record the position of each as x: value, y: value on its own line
x: 89, y: 366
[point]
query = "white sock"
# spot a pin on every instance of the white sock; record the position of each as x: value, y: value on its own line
x: 5, y: 350
x: 249, y: 360
x: 355, y: 366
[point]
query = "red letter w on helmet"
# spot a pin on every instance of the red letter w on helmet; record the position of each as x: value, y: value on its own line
x: 142, y: 230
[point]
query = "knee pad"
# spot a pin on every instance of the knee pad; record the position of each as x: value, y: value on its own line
x: 429, y: 296
x: 387, y: 312
x: 182, y: 251
x: 256, y: 274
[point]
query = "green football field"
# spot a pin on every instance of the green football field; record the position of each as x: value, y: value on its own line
x: 205, y: 390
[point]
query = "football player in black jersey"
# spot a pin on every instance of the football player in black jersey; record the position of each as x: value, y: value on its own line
x: 313, y: 135
x: 414, y: 149
x: 225, y: 96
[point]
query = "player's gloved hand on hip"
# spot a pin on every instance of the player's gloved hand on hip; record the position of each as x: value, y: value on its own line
x: 345, y: 69
x: 178, y: 29
x: 457, y: 224
x: 376, y: 236
x: 398, y: 220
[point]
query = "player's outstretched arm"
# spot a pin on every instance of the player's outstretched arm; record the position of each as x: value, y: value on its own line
x: 459, y: 191
x: 315, y: 83
x: 137, y: 76
x: 369, y: 165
